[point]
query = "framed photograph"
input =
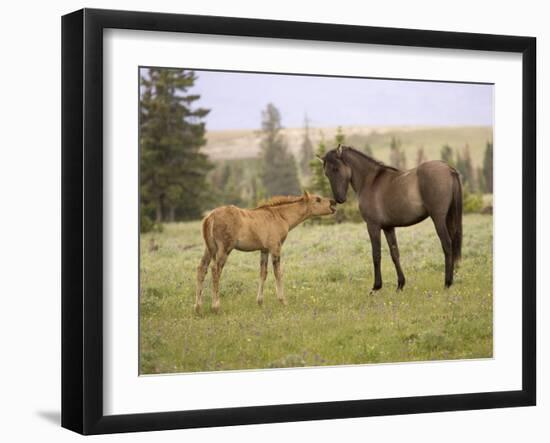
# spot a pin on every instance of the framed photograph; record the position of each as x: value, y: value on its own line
x: 269, y: 221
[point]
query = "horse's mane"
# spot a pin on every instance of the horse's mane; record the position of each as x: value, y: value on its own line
x: 279, y: 200
x: 369, y: 158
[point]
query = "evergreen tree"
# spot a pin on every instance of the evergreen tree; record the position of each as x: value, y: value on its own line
x: 481, y: 185
x: 398, y: 158
x: 420, y: 156
x: 447, y: 155
x: 172, y: 169
x: 340, y: 137
x: 224, y: 178
x: 403, y: 160
x: 279, y: 171
x: 319, y: 183
x: 256, y: 193
x: 307, y: 150
x: 466, y: 169
x: 488, y: 168
x: 367, y: 149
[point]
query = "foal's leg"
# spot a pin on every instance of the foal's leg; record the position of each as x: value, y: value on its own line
x: 263, y: 274
x: 217, y: 267
x: 276, y: 259
x: 201, y: 274
x: 394, y: 250
x: 443, y: 233
x: 374, y: 234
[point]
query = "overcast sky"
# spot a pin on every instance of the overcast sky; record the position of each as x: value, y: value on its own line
x: 237, y: 99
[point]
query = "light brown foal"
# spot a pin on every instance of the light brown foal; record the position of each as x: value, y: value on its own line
x: 263, y: 229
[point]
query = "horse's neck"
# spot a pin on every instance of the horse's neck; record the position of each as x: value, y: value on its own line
x: 293, y: 213
x: 363, y: 171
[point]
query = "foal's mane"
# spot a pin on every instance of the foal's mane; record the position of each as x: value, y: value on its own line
x: 280, y: 200
x: 369, y: 158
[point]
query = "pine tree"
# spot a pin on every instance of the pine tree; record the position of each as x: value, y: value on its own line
x: 279, y: 171
x: 306, y: 154
x: 420, y: 156
x: 340, y: 137
x: 172, y: 169
x: 403, y: 160
x: 319, y: 183
x: 466, y: 169
x: 398, y: 158
x: 447, y: 155
x: 481, y: 185
x: 367, y: 149
x: 488, y: 168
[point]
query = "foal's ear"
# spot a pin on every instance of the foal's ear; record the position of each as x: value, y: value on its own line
x: 321, y: 159
x: 339, y: 150
x: 306, y: 195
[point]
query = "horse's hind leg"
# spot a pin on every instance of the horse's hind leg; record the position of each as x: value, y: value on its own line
x: 217, y: 267
x: 440, y: 223
x: 263, y: 275
x: 276, y: 259
x: 394, y: 250
x: 201, y: 274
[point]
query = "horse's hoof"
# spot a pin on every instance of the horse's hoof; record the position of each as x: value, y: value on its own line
x: 215, y: 308
x: 260, y: 301
x: 400, y: 284
x: 197, y: 309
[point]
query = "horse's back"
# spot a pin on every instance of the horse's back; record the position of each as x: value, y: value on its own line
x: 242, y: 229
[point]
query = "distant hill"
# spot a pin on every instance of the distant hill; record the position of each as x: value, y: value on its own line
x: 241, y: 144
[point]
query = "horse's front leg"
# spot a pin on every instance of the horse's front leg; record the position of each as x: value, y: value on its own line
x: 374, y: 234
x: 394, y: 250
x: 263, y: 275
x: 276, y: 259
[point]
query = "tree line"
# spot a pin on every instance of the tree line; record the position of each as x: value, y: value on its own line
x: 179, y: 182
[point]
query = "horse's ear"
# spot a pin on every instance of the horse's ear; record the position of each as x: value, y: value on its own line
x: 321, y: 159
x: 339, y: 150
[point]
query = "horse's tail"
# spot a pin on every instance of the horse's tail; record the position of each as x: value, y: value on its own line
x: 454, y: 218
x: 208, y: 235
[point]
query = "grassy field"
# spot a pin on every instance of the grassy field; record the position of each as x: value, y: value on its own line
x: 330, y: 319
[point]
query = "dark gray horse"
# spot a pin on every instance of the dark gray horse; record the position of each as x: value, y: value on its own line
x: 389, y: 198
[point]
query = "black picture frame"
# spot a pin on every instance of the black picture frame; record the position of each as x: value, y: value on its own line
x: 82, y: 220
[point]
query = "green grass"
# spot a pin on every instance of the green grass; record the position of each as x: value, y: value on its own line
x: 331, y: 318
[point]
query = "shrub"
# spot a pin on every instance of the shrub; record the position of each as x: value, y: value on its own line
x: 471, y: 202
x: 147, y: 224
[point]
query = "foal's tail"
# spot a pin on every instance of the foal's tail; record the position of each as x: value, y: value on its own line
x: 454, y: 218
x: 208, y: 235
